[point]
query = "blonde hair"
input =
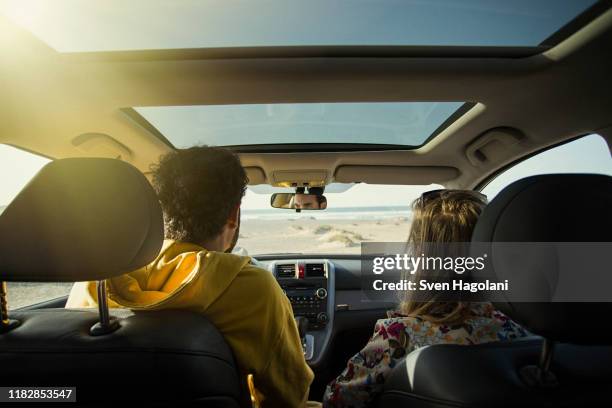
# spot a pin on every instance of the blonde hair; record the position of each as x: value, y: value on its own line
x: 440, y: 216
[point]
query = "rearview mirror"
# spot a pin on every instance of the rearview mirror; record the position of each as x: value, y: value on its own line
x: 298, y: 201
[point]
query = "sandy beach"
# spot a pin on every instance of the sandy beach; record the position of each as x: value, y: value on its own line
x: 306, y: 233
x: 24, y: 294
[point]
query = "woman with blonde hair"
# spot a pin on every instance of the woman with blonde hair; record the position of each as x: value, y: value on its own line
x: 440, y: 217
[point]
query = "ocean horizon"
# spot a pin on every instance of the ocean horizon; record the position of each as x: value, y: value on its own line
x: 359, y: 213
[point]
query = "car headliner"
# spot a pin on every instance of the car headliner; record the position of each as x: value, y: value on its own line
x: 526, y: 99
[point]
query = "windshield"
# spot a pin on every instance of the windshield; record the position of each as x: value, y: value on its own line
x: 361, y: 213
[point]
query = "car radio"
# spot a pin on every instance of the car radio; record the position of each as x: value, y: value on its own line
x: 305, y: 284
x: 309, y: 302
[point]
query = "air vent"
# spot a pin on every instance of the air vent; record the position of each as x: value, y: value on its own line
x: 285, y: 271
x: 315, y: 270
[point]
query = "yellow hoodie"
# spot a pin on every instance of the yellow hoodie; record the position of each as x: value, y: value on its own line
x: 244, y: 302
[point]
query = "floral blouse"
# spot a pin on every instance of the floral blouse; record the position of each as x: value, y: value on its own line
x: 397, y: 336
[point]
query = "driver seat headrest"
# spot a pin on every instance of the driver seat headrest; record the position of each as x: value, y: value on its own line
x: 80, y: 219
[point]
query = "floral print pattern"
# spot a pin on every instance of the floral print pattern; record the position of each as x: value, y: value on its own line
x: 397, y: 336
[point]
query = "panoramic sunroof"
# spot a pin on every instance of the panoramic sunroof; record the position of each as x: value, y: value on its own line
x: 404, y: 124
x: 74, y: 25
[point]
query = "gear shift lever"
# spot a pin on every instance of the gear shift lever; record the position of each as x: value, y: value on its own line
x: 306, y: 339
x: 302, y: 325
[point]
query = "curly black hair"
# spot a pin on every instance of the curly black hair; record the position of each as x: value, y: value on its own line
x: 198, y: 188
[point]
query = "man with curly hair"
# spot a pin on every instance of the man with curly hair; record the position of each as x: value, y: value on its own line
x: 200, y: 190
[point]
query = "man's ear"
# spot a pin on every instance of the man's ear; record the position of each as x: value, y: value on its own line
x: 234, y: 218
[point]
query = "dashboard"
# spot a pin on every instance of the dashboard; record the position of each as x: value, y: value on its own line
x: 326, y: 297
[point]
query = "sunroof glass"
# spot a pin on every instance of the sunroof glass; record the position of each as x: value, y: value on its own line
x: 75, y: 25
x: 408, y: 124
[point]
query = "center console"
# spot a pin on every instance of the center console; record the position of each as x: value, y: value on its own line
x: 309, y: 285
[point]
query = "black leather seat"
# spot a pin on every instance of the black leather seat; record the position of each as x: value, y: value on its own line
x: 90, y: 219
x: 488, y: 375
x: 552, y: 208
x: 170, y: 358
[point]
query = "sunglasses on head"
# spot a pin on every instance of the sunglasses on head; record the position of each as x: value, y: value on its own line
x: 428, y: 195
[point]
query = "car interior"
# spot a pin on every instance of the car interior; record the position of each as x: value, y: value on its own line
x: 304, y: 117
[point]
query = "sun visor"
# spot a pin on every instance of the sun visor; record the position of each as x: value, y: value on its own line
x: 256, y: 175
x: 419, y: 175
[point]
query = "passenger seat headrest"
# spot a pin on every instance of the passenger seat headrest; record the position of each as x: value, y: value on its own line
x: 80, y: 219
x: 551, y: 208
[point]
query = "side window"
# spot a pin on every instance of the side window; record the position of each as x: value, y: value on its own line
x: 17, y: 167
x: 589, y: 154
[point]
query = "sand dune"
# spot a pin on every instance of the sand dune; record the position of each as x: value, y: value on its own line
x: 309, y: 235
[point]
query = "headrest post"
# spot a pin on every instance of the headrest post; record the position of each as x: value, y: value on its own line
x: 6, y: 324
x: 106, y: 325
x: 103, y: 303
x: 546, y: 358
x: 540, y: 376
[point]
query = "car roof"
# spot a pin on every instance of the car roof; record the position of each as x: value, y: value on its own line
x: 516, y: 100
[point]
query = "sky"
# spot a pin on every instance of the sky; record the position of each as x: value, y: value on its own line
x: 400, y: 123
x: 587, y: 155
